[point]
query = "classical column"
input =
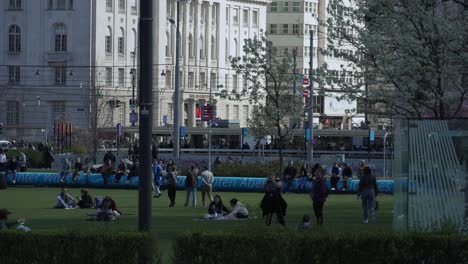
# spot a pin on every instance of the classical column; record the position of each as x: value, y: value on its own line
x: 191, y: 117
x: 196, y: 40
x: 185, y: 37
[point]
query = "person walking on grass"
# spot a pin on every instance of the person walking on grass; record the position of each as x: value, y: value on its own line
x: 12, y: 168
x: 171, y: 182
x: 319, y: 193
x: 191, y: 183
x: 157, y: 176
x: 335, y: 178
x: 367, y: 192
x: 207, y: 184
x: 273, y: 202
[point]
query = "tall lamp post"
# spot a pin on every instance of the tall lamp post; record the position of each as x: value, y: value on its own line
x: 133, y: 72
x: 310, y: 145
x: 176, y: 132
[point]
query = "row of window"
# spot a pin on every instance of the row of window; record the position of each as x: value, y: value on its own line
x: 52, y: 4
x: 108, y: 39
x: 294, y: 7
x: 60, y: 74
x: 291, y: 29
x: 289, y: 51
x: 59, y: 36
x: 234, y: 12
x: 121, y: 6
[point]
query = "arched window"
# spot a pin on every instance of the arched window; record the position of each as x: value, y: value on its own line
x: 202, y: 47
x: 14, y: 38
x: 121, y: 42
x: 190, y: 43
x: 227, y: 49
x: 235, y: 54
x: 108, y: 41
x: 132, y: 41
x: 168, y: 47
x: 60, y: 38
x: 213, y: 48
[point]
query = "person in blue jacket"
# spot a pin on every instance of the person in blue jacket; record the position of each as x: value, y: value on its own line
x: 158, y: 177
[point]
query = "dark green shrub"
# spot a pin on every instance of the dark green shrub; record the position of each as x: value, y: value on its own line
x: 77, y: 247
x: 287, y: 246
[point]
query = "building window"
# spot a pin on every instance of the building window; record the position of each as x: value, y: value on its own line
x: 314, y: 9
x: 245, y: 112
x: 213, y: 48
x: 14, y: 75
x: 236, y: 112
x: 285, y: 28
x: 235, y: 17
x: 295, y: 29
x: 202, y: 81
x: 227, y: 112
x: 245, y: 18
x: 202, y: 47
x: 60, y: 75
x: 235, y: 85
x: 108, y: 41
x: 296, y: 7
x: 121, y: 42
x: 285, y: 52
x: 121, y: 6
x: 285, y: 7
x: 15, y: 4
x: 108, y: 76
x: 245, y: 84
x: 226, y: 47
x: 213, y: 81
x: 14, y: 38
x: 133, y: 7
x: 12, y: 112
x: 273, y: 29
x: 61, y: 4
x: 227, y: 15
x: 121, y: 77
x: 168, y: 80
x: 274, y: 7
x: 235, y: 48
x: 168, y: 49
x: 191, y: 47
x: 170, y: 111
x: 70, y: 4
x: 60, y: 38
x: 255, y: 19
x: 226, y: 82
x: 121, y: 111
x: 191, y: 78
x: 109, y: 5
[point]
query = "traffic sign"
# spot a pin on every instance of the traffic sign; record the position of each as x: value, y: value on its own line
x: 305, y: 93
x: 371, y: 135
x: 207, y: 113
x: 305, y: 81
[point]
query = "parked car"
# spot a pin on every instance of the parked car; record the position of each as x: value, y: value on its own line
x: 6, y: 145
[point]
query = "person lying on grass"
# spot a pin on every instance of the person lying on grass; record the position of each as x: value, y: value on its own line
x: 85, y: 200
x: 65, y: 200
x: 239, y: 211
x: 5, y: 224
x: 108, y: 210
x: 216, y: 209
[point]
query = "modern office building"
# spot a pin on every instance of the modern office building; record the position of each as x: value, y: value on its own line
x: 288, y: 27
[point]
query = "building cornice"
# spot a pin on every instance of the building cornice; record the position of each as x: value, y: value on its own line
x: 264, y: 2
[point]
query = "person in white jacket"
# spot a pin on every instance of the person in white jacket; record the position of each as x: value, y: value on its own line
x: 207, y: 185
x: 65, y: 200
x: 239, y: 211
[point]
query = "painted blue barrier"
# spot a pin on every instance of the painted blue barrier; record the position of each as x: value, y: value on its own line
x: 219, y: 183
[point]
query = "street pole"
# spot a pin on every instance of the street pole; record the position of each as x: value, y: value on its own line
x: 146, y: 113
x: 210, y: 131
x: 310, y: 146
x: 133, y: 85
x: 366, y: 109
x: 294, y: 71
x: 176, y: 132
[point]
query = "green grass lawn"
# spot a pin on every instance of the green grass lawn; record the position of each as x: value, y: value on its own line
x: 341, y: 212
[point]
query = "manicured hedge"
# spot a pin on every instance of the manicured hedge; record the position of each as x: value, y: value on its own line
x: 283, y: 246
x: 77, y: 247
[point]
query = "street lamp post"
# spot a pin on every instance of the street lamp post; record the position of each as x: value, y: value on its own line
x: 176, y: 132
x: 133, y: 73
x: 310, y: 117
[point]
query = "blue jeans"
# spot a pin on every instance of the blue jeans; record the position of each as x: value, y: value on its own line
x: 63, y: 174
x: 194, y: 197
x: 287, y: 183
x: 368, y: 202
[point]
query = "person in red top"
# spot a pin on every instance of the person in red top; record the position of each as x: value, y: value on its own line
x: 319, y: 193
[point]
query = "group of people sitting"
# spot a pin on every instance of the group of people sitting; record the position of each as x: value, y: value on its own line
x: 218, y: 211
x: 106, y: 207
x: 339, y: 171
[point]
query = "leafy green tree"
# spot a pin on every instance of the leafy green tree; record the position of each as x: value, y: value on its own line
x: 411, y: 55
x: 270, y: 80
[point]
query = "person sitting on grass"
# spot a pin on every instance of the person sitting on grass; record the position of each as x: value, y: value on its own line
x: 305, y: 224
x: 12, y: 167
x: 216, y: 209
x: 65, y: 200
x: 77, y: 168
x: 85, y: 201
x: 5, y: 224
x: 239, y: 211
x: 65, y: 170
x: 108, y: 210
